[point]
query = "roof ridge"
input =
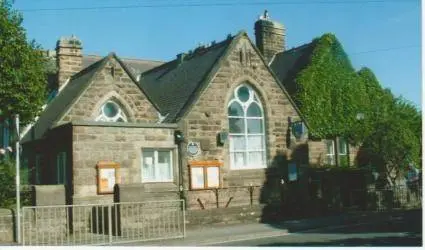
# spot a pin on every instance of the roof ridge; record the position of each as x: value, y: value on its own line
x: 100, y: 64
x: 215, y: 66
x: 299, y: 47
x: 134, y: 79
x: 189, y: 56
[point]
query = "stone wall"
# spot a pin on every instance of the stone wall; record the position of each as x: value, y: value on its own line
x: 69, y: 58
x: 270, y: 38
x: 6, y: 225
x: 121, y: 143
x: 116, y: 86
x: 208, y: 115
x: 317, y: 153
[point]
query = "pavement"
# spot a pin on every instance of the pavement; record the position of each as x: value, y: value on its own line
x: 253, y: 233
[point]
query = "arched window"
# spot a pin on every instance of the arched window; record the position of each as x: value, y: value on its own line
x: 111, y: 112
x: 246, y: 129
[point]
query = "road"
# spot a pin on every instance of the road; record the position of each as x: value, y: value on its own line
x: 399, y: 230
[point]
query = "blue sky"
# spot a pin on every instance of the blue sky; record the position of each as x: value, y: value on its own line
x: 383, y: 35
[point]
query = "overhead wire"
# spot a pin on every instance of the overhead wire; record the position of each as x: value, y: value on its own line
x: 200, y: 4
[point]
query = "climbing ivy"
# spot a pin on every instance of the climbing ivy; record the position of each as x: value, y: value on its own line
x: 328, y: 96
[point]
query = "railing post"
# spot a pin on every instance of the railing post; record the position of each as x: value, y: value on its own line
x: 23, y: 228
x: 110, y: 223
x: 184, y: 219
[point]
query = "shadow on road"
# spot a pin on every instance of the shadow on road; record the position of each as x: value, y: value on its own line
x: 376, y: 241
x: 386, y: 222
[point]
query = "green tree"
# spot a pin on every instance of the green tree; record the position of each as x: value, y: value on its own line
x: 22, y: 68
x: 395, y: 141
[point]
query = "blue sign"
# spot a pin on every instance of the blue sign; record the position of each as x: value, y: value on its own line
x: 292, y: 172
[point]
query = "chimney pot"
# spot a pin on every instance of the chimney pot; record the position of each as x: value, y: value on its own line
x: 269, y: 36
x: 68, y: 52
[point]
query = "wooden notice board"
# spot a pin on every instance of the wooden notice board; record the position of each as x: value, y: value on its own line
x: 204, y: 174
x: 107, y: 176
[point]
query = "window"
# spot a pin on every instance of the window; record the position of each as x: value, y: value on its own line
x: 342, y: 147
x: 61, y: 168
x: 343, y: 157
x: 157, y: 165
x: 330, y: 152
x: 111, y: 112
x: 246, y: 130
x: 342, y: 152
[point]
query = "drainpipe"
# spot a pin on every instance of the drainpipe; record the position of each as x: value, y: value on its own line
x: 179, y: 139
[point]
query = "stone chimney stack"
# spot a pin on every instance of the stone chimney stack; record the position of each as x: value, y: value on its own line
x: 269, y: 36
x: 69, y: 58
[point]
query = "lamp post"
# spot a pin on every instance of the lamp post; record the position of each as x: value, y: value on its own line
x: 18, y: 198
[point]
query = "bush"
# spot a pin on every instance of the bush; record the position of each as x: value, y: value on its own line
x: 7, y: 183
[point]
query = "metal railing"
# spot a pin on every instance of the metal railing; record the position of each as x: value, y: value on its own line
x: 398, y: 197
x: 100, y: 224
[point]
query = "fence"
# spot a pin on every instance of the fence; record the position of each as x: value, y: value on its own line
x: 103, y: 224
x: 398, y: 197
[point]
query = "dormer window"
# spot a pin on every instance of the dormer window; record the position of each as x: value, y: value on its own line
x: 111, y: 112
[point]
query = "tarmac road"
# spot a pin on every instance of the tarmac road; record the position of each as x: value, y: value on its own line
x: 402, y: 229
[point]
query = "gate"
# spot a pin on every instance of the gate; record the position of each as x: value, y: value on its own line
x: 103, y: 224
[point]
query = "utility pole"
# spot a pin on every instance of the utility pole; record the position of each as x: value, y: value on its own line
x: 18, y: 180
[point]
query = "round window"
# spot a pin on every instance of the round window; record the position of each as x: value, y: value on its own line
x: 243, y: 94
x: 110, y: 109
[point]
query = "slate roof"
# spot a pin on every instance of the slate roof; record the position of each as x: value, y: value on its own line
x: 77, y: 84
x: 286, y: 65
x: 171, y: 87
x: 62, y: 101
x: 174, y: 84
x: 136, y: 66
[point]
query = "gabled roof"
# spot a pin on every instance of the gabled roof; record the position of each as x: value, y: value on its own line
x: 136, y: 66
x: 172, y: 85
x: 286, y: 65
x: 60, y: 104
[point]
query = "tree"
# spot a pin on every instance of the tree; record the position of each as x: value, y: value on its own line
x: 395, y: 141
x: 22, y: 68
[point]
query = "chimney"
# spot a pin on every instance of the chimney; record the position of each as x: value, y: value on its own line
x: 69, y: 58
x: 269, y: 36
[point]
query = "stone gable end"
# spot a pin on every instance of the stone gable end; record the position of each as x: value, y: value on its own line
x: 208, y: 115
x: 112, y: 83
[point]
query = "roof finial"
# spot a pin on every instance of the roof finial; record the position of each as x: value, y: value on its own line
x: 265, y: 16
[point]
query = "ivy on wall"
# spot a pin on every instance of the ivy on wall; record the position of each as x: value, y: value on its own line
x: 338, y: 101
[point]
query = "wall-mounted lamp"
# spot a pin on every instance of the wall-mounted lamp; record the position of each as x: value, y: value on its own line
x: 222, y: 138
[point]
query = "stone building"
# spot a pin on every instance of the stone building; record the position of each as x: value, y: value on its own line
x: 217, y: 118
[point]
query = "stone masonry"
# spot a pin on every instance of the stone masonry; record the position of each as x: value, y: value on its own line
x: 112, y: 82
x: 121, y: 144
x: 69, y: 58
x: 208, y: 116
x: 270, y: 38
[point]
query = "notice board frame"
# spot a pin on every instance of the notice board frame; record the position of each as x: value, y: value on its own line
x: 103, y: 167
x: 204, y: 165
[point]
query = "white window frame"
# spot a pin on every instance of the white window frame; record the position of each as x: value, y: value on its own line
x: 331, y: 154
x: 345, y: 147
x: 155, y: 165
x: 61, y: 164
x: 253, y: 98
x: 103, y: 117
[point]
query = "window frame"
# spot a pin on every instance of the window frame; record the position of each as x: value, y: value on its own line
x: 104, y: 118
x: 330, y: 154
x: 155, y: 164
x: 253, y: 98
x: 345, y: 146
